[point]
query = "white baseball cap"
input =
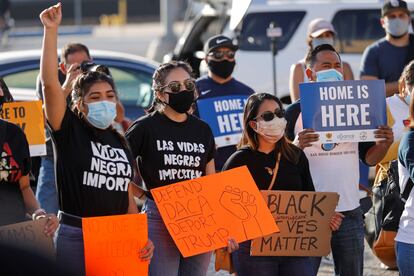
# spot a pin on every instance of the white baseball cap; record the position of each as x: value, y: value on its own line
x: 318, y: 26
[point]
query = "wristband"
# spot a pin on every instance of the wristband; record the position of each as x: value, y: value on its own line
x: 39, y: 213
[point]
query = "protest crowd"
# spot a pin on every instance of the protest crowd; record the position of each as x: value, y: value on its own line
x: 224, y: 172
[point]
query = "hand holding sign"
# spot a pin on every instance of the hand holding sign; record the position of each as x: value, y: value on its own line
x: 205, y: 214
x: 385, y: 136
x: 305, y: 138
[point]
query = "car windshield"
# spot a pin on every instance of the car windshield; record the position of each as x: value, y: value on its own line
x: 253, y: 30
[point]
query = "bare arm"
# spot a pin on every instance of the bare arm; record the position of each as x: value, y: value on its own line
x: 132, y: 206
x: 32, y: 205
x: 28, y: 196
x: 210, y: 168
x: 295, y: 77
x: 54, y: 96
x: 377, y: 152
x: 390, y: 87
x: 348, y: 74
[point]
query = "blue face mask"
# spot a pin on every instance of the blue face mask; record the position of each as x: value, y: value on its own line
x: 329, y: 75
x: 101, y: 114
x: 396, y: 27
x: 319, y: 41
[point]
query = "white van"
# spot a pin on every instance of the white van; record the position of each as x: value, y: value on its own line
x: 357, y: 24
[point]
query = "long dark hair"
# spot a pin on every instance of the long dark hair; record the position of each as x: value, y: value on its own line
x: 159, y: 76
x: 6, y: 92
x: 249, y: 137
x: 81, y: 88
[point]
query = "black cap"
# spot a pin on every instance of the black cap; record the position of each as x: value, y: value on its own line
x: 391, y: 5
x: 218, y: 41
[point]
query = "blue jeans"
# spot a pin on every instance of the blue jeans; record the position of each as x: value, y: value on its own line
x: 46, y: 189
x: 167, y: 259
x: 246, y: 265
x: 347, y: 245
x: 405, y: 258
x: 69, y: 250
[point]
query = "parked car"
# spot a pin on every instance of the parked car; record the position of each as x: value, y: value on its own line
x: 357, y: 24
x: 132, y: 75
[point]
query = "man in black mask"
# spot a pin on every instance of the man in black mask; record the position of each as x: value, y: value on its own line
x: 221, y: 97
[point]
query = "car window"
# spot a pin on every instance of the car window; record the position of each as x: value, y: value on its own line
x: 134, y: 88
x: 356, y: 29
x: 253, y: 30
x: 26, y: 79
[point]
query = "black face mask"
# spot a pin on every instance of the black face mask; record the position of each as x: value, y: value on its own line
x: 223, y: 68
x: 181, y: 102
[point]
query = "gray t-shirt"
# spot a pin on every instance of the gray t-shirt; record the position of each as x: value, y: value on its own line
x: 384, y: 60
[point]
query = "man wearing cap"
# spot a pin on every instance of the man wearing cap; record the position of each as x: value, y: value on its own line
x: 386, y: 58
x: 320, y: 31
x: 221, y: 97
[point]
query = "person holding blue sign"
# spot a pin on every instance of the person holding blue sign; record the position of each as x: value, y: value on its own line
x: 275, y: 164
x: 221, y: 97
x: 334, y: 166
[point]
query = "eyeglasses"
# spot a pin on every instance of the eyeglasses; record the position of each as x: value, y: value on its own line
x: 175, y: 86
x: 220, y: 54
x: 268, y: 115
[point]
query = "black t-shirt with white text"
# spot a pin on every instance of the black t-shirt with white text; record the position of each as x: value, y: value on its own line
x: 169, y: 152
x: 290, y: 177
x: 93, y: 169
x: 14, y: 163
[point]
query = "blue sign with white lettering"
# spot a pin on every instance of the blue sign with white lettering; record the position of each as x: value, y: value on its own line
x: 224, y: 116
x: 343, y: 111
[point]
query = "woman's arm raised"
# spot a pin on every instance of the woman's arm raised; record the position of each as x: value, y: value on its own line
x: 54, y: 97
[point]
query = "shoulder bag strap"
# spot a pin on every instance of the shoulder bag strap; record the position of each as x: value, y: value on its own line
x: 407, y: 190
x: 275, y: 171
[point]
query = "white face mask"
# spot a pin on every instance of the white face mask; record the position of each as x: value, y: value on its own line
x: 272, y: 130
x: 324, y: 40
x: 396, y: 27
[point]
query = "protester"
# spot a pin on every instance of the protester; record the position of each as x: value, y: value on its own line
x: 320, y: 31
x: 219, y: 87
x: 165, y: 132
x: 334, y: 167
x: 75, y: 59
x: 397, y: 118
x: 404, y: 239
x: 73, y: 54
x: 87, y: 149
x: 275, y: 164
x: 386, y: 58
x: 17, y: 198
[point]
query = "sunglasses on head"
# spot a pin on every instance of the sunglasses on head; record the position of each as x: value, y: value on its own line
x: 175, y: 86
x: 220, y: 54
x: 88, y: 66
x: 269, y: 115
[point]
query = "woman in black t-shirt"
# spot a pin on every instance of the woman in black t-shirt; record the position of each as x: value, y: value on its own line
x: 17, y: 199
x: 171, y: 146
x: 263, y: 143
x: 93, y: 163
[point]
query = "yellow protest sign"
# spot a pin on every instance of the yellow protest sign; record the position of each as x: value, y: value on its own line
x: 29, y: 117
x: 201, y: 214
x: 303, y: 219
x: 112, y: 244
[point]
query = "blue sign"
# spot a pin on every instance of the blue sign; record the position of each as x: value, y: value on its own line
x: 343, y: 111
x: 224, y: 116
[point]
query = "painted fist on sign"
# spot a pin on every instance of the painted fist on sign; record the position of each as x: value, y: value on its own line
x: 242, y: 205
